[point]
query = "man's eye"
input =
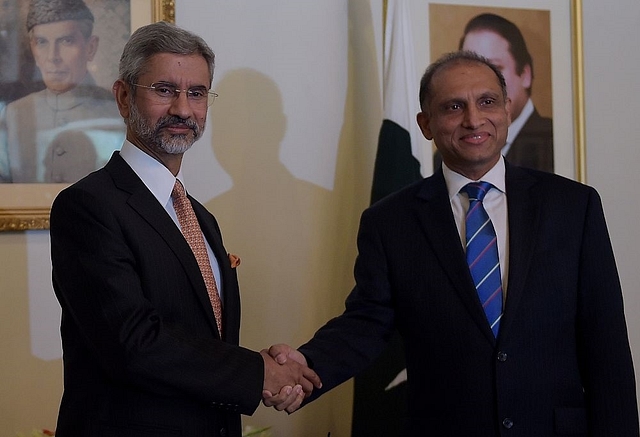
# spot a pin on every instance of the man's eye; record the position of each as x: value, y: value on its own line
x: 68, y: 41
x: 487, y: 102
x: 165, y: 90
x: 454, y: 106
x: 197, y: 93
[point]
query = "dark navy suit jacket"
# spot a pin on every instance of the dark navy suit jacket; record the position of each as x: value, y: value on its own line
x: 533, y: 146
x: 561, y: 364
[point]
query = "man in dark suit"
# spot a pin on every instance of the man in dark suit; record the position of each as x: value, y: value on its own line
x: 553, y: 357
x: 151, y: 318
x: 530, y: 139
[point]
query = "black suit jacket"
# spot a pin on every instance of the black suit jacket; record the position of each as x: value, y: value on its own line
x: 142, y: 355
x: 561, y: 364
x: 531, y: 148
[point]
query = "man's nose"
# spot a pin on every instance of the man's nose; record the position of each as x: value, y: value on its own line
x: 472, y: 117
x: 53, y: 54
x: 181, y: 106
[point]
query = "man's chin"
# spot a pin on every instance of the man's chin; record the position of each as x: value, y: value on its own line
x: 177, y: 144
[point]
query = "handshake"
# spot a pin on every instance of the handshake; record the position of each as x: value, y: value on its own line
x: 287, y: 378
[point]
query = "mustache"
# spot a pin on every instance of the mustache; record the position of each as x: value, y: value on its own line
x: 172, y: 120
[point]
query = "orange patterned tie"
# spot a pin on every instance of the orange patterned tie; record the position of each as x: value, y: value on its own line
x: 193, y: 234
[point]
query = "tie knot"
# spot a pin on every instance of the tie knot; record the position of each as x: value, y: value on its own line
x: 477, y: 190
x: 178, y: 190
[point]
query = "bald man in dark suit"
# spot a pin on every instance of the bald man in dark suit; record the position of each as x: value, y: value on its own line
x: 545, y: 352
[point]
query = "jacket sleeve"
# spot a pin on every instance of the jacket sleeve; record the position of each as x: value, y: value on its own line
x: 603, y: 346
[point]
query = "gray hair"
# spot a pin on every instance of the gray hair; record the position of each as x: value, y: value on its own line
x: 158, y: 38
x: 458, y: 57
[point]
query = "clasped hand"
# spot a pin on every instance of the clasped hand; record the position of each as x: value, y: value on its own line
x: 287, y: 378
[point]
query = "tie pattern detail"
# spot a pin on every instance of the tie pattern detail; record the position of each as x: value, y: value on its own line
x: 482, y: 254
x: 193, y: 234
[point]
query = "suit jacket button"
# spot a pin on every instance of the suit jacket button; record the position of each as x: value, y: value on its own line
x: 507, y: 423
x: 502, y: 356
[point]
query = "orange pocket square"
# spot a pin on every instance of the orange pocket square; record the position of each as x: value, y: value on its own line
x: 234, y: 260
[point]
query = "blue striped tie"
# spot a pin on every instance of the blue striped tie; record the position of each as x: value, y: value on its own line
x: 482, y: 254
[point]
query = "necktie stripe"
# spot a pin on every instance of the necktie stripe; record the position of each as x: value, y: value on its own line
x: 482, y: 254
x: 495, y: 294
x: 478, y: 232
x: 488, y: 249
x: 488, y: 275
x: 495, y: 325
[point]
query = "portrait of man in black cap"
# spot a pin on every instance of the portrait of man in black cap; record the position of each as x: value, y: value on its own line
x: 70, y: 128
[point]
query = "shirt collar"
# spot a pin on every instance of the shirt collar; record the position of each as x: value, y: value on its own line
x: 455, y: 181
x: 158, y: 179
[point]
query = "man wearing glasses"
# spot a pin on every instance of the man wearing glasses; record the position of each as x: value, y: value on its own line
x: 71, y: 127
x: 149, y: 295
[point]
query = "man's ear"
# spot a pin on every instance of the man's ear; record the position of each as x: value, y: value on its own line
x: 507, y: 107
x: 423, y: 120
x: 122, y: 94
x: 526, y: 78
x: 92, y: 47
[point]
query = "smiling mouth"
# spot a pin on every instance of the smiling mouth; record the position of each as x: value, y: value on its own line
x: 475, y: 138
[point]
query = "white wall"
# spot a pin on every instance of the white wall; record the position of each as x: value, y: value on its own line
x: 612, y: 69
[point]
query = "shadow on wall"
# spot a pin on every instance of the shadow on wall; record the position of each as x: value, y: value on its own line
x: 287, y: 231
x: 272, y: 220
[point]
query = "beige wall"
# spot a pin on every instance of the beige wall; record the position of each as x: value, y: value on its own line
x: 297, y: 240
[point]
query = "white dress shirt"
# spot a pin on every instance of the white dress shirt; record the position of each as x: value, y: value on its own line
x: 495, y: 203
x: 160, y: 181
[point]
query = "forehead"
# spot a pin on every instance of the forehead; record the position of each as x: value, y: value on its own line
x: 179, y: 69
x: 487, y: 43
x: 461, y: 78
x: 57, y: 29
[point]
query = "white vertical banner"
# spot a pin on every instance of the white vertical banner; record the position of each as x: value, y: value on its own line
x: 399, y: 81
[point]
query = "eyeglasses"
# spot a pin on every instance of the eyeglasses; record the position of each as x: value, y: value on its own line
x: 166, y: 93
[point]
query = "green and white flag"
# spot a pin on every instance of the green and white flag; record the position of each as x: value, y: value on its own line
x: 401, y: 146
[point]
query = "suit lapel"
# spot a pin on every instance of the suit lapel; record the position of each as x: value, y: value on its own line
x: 146, y: 205
x: 230, y: 295
x: 524, y: 212
x: 438, y: 224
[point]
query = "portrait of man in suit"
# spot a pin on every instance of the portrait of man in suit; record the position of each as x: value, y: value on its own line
x: 70, y: 128
x: 530, y: 139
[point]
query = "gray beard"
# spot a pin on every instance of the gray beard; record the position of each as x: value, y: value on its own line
x: 154, y: 138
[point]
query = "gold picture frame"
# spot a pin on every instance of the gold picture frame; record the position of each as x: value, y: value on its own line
x: 553, y: 31
x: 27, y: 206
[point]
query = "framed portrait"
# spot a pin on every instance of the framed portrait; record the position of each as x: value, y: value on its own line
x: 548, y: 93
x: 47, y: 134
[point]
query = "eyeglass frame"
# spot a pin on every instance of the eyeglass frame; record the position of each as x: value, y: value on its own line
x: 211, y: 95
